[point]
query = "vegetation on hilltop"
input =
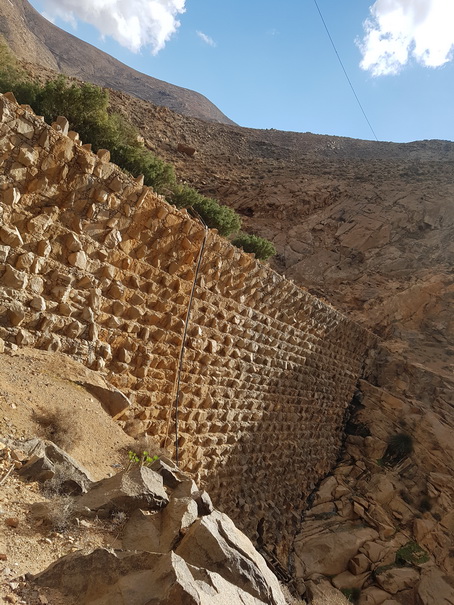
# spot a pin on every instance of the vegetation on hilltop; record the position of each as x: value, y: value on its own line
x: 86, y: 107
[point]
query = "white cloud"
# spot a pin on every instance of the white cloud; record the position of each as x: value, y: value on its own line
x: 401, y: 30
x: 132, y: 23
x: 48, y: 17
x: 206, y: 39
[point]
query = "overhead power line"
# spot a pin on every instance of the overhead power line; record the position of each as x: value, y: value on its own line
x: 344, y: 70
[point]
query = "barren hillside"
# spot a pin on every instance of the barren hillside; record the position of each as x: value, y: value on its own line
x: 35, y: 39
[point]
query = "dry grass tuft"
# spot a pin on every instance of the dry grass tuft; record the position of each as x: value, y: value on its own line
x: 60, y: 427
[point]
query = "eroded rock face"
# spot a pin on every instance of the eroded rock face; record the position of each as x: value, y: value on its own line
x: 329, y: 553
x: 406, y: 502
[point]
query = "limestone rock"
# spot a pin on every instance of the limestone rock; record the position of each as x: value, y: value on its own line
x: 325, y: 490
x: 329, y: 553
x: 105, y: 578
x: 358, y: 564
x: 349, y: 580
x: 214, y: 543
x: 112, y: 400
x: 10, y: 236
x: 321, y: 592
x: 46, y: 460
x: 139, y: 487
x: 435, y: 587
x: 373, y: 596
x: 159, y: 531
x: 397, y: 579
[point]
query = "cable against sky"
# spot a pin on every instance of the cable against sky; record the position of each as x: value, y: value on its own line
x: 399, y: 30
x: 132, y: 23
x: 344, y: 70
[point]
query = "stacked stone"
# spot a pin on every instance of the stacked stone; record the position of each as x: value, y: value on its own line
x: 98, y: 266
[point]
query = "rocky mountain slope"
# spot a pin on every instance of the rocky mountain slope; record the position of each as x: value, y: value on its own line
x: 35, y: 39
x: 369, y: 226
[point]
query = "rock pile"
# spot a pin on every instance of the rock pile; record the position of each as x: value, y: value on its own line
x: 174, y: 548
x: 381, y: 527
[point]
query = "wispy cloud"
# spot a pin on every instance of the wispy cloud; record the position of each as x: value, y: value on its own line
x: 401, y: 30
x: 206, y: 39
x: 133, y: 23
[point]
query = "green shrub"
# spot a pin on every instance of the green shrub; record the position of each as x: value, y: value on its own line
x: 399, y: 447
x: 13, y: 78
x: 217, y: 216
x: 411, y: 554
x: 213, y: 214
x: 261, y: 247
x: 184, y: 196
x: 136, y: 160
x: 84, y: 105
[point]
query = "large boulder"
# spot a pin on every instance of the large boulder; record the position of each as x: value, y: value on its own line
x: 107, y: 578
x: 214, y: 543
x: 159, y: 531
x: 329, y: 553
x: 435, y: 588
x: 138, y: 487
x: 397, y: 578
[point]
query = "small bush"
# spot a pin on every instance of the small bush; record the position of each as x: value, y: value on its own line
x: 213, y: 214
x: 216, y: 216
x: 136, y: 160
x: 411, y: 554
x: 13, y: 78
x: 261, y: 247
x: 184, y: 196
x: 399, y: 447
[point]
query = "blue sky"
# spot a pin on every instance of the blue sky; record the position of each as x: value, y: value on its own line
x: 271, y: 65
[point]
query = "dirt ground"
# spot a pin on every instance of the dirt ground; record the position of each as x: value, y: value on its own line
x: 39, y: 397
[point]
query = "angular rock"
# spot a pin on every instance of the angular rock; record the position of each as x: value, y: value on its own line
x: 373, y: 596
x: 349, y: 580
x: 325, y: 490
x: 109, y: 578
x: 321, y: 592
x: 329, y: 553
x: 435, y: 587
x: 46, y: 460
x: 10, y: 236
x: 138, y: 487
x: 112, y: 400
x: 358, y: 564
x: 214, y: 543
x: 398, y: 578
x: 174, y: 479
x: 14, y: 279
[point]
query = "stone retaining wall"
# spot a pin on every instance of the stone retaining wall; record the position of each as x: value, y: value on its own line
x: 95, y: 265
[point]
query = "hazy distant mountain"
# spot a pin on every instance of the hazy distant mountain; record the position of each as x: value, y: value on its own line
x: 36, y: 40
